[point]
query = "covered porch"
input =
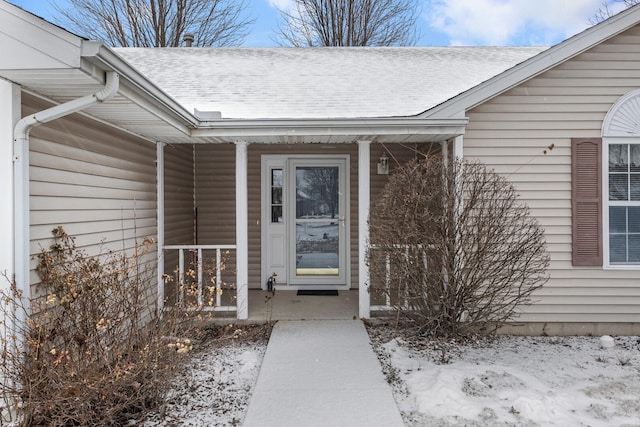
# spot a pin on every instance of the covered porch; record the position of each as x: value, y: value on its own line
x: 287, y: 305
x: 227, y: 202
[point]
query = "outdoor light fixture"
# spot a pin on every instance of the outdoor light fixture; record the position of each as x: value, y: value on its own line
x: 383, y: 165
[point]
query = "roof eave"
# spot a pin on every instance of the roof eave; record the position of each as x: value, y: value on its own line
x: 97, y: 57
x: 371, y: 127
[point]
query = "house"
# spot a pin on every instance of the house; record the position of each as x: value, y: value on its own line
x: 274, y: 155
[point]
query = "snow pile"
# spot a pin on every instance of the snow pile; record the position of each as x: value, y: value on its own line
x: 523, y: 381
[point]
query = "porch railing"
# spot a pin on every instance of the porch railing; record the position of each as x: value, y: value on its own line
x: 197, y: 250
x: 386, y: 286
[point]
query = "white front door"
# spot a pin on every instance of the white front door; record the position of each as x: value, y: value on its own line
x: 305, y: 221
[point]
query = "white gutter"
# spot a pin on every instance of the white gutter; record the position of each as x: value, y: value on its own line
x: 21, y: 174
x: 311, y: 127
x: 136, y: 87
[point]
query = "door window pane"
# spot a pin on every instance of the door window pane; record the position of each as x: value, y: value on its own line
x: 276, y: 178
x: 317, y: 212
x: 317, y: 248
x: 317, y: 192
x: 276, y: 214
x: 276, y: 196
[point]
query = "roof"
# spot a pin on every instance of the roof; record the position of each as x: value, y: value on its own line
x: 279, y: 95
x: 272, y: 83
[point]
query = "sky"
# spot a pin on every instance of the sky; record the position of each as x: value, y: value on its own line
x: 443, y: 22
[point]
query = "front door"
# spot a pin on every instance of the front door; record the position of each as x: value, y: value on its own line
x: 305, y: 221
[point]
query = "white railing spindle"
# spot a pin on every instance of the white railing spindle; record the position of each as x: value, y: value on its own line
x: 200, y: 273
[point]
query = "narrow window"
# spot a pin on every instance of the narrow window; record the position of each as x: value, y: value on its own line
x: 276, y: 196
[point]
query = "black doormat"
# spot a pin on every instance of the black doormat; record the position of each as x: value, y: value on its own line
x: 323, y: 292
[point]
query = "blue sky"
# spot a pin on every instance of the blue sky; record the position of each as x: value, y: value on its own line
x: 445, y: 22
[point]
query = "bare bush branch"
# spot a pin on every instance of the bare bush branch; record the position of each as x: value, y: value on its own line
x: 454, y: 248
x: 349, y: 23
x: 157, y: 23
x: 94, y: 350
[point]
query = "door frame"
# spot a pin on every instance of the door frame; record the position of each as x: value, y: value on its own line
x: 269, y: 162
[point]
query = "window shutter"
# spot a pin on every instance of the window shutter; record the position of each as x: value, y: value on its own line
x: 586, y: 201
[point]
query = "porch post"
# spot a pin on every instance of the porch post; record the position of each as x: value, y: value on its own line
x: 458, y: 147
x: 9, y: 116
x: 242, y: 232
x: 160, y: 222
x: 364, y: 195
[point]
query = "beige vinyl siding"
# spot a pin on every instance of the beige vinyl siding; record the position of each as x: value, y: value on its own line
x: 215, y: 197
x: 97, y: 182
x: 511, y: 133
x: 178, y: 201
x: 215, y: 192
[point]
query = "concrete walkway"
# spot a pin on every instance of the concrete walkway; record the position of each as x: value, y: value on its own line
x: 321, y: 373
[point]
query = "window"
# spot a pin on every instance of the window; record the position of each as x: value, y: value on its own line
x: 276, y: 195
x: 623, y: 175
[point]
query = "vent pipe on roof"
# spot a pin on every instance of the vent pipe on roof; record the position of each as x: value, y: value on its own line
x: 188, y: 39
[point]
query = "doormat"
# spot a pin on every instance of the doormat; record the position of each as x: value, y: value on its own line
x: 324, y: 292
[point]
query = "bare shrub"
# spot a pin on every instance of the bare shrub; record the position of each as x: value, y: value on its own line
x: 94, y: 350
x: 453, y: 248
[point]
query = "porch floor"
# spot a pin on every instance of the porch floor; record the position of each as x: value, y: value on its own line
x: 286, y: 305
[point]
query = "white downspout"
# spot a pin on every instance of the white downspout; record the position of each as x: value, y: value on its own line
x: 21, y: 173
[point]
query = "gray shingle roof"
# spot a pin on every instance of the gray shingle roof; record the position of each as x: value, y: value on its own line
x: 253, y: 83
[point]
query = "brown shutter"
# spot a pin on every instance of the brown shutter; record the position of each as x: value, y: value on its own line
x: 586, y: 201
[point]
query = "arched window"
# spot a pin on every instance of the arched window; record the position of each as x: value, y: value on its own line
x: 621, y: 182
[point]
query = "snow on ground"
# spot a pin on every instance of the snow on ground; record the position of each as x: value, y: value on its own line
x: 515, y: 381
x: 497, y: 381
x: 213, y: 388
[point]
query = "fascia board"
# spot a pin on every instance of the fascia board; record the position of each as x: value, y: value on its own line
x: 30, y: 42
x: 538, y: 64
x: 97, y: 57
x: 319, y: 127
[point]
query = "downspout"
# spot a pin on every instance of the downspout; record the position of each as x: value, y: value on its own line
x: 21, y: 174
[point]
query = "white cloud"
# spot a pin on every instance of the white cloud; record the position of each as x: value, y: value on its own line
x: 281, y: 4
x: 509, y: 22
